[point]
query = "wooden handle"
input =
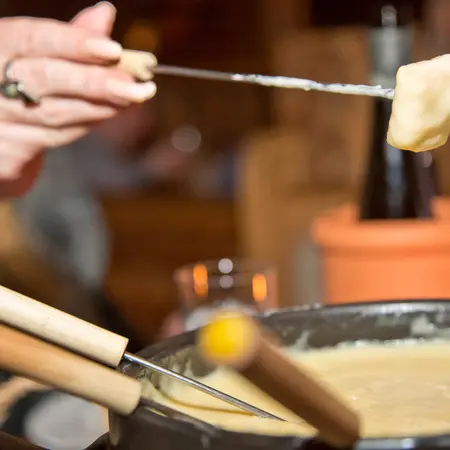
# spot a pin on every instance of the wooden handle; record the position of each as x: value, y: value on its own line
x: 60, y: 328
x: 236, y: 341
x: 45, y: 363
x: 138, y: 64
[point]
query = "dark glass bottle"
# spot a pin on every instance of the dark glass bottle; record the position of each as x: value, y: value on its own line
x: 432, y: 173
x: 398, y: 183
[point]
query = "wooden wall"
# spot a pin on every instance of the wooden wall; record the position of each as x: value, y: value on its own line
x: 151, y: 237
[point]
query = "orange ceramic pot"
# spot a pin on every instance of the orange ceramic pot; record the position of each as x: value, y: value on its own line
x: 384, y: 260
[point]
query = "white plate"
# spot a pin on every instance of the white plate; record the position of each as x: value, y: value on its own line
x: 64, y: 422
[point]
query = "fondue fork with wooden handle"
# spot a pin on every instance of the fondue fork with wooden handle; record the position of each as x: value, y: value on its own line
x: 142, y: 65
x: 236, y: 341
x: 89, y: 340
x: 55, y: 367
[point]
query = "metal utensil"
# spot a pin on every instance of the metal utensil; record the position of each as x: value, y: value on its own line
x: 89, y: 340
x: 277, y: 81
x: 199, y: 386
x: 52, y: 366
x: 142, y: 65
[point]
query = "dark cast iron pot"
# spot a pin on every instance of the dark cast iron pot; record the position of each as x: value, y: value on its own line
x: 313, y: 327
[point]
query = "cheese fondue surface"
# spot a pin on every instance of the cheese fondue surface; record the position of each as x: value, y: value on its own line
x: 401, y: 390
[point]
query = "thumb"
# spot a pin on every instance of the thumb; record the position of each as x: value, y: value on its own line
x: 21, y: 185
x: 98, y: 18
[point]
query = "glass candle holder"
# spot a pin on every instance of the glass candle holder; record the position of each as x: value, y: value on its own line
x: 207, y: 286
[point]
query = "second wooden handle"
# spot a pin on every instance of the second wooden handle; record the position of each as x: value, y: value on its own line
x: 60, y: 328
x: 237, y: 341
x: 47, y: 364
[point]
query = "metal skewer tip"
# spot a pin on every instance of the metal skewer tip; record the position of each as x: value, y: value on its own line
x: 200, y: 386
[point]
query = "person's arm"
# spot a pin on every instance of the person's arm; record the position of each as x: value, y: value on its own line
x: 24, y: 180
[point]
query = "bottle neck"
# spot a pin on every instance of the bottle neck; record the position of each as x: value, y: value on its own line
x: 391, y: 47
x: 397, y: 182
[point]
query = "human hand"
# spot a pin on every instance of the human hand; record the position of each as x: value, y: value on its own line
x: 65, y: 64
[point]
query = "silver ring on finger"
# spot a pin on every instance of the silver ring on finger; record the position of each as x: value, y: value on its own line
x: 14, y: 89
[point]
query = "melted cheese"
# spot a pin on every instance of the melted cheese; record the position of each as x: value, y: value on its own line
x: 398, y: 390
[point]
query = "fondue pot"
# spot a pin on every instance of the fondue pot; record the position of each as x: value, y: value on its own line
x: 305, y: 328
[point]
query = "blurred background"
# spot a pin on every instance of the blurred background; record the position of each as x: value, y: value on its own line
x: 207, y: 169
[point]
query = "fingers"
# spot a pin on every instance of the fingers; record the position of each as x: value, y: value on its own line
x: 56, y: 112
x: 55, y: 77
x: 98, y: 19
x: 45, y: 37
x: 23, y: 140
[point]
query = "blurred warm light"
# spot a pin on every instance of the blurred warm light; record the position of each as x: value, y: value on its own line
x: 259, y: 287
x: 142, y: 35
x: 200, y: 275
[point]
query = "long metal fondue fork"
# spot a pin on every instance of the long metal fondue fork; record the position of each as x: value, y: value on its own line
x: 277, y: 81
x: 143, y: 65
